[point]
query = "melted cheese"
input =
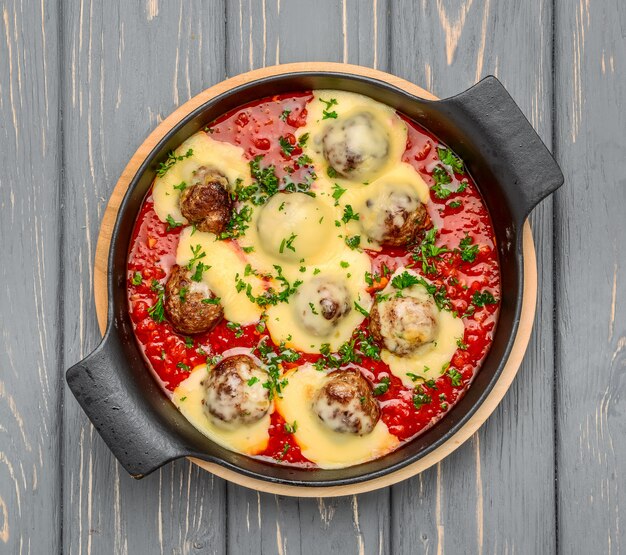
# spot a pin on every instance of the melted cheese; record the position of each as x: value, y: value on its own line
x: 285, y: 323
x: 225, y: 261
x: 226, y: 158
x: 325, y: 447
x: 430, y: 359
x: 348, y: 105
x: 401, y: 180
x: 292, y: 229
x: 188, y: 398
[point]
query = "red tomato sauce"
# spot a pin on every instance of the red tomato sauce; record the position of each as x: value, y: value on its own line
x: 256, y: 127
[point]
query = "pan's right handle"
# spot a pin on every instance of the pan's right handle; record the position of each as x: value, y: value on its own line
x: 487, y: 114
x: 119, y: 413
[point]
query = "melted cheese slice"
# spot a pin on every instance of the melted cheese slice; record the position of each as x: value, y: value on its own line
x: 318, y: 443
x: 402, y: 179
x: 292, y: 230
x: 226, y: 262
x: 188, y: 398
x: 348, y: 269
x: 350, y: 104
x: 428, y: 360
x: 226, y: 158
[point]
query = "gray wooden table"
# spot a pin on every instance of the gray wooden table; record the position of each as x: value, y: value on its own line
x: 82, y: 82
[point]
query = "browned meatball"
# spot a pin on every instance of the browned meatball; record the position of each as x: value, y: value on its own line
x: 403, y: 324
x: 346, y: 404
x: 207, y: 202
x: 394, y: 217
x: 184, y: 304
x: 234, y: 391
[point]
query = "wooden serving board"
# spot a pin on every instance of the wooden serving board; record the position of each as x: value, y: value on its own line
x: 463, y: 434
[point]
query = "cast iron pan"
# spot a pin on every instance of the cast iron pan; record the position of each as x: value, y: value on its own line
x: 513, y: 170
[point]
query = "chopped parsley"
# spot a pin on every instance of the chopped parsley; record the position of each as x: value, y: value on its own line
x: 353, y: 242
x: 171, y: 159
x: 286, y: 146
x: 157, y: 311
x: 455, y: 204
x: 461, y: 344
x: 137, y: 278
x: 211, y: 300
x: 421, y: 399
x: 182, y: 294
x: 332, y: 173
x: 198, y: 253
x: 291, y: 428
x: 349, y: 214
x: 234, y: 326
x: 455, y: 377
x: 238, y: 223
x: 200, y: 267
x: 172, y: 223
x: 266, y: 181
x: 303, y: 139
x: 183, y: 366
x: 313, y: 310
x: 189, y: 342
x: 468, y: 249
x: 273, y: 360
x: 481, y: 299
x: 382, y: 387
x: 252, y: 381
x: 288, y: 243
x: 326, y: 113
x: 450, y: 159
x: 360, y: 309
x: 181, y: 186
x: 405, y: 279
x: 285, y: 114
x: 337, y: 192
x: 428, y: 252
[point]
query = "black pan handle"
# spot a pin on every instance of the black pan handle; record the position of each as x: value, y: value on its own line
x: 494, y: 129
x: 133, y: 432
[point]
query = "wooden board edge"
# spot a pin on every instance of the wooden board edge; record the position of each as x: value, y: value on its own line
x: 472, y: 425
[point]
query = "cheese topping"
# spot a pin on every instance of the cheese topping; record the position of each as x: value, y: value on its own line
x: 226, y: 158
x: 318, y: 443
x: 431, y: 359
x: 188, y: 397
x: 224, y: 263
x: 351, y: 130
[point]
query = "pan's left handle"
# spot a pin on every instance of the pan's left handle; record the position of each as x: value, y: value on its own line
x: 120, y: 414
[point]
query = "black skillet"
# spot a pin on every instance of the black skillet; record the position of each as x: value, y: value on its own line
x: 514, y: 172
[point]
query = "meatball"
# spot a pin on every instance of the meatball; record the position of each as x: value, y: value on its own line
x: 357, y: 146
x: 345, y: 403
x: 233, y: 396
x: 184, y: 304
x: 394, y: 217
x: 321, y: 303
x: 206, y: 203
x: 403, y: 324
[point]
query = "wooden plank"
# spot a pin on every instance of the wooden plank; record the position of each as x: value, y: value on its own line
x: 29, y: 328
x: 496, y: 493
x: 265, y: 32
x: 127, y: 66
x: 591, y: 276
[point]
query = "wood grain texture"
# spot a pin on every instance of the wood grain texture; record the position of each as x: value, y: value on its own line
x: 30, y: 488
x: 591, y: 276
x: 125, y: 68
x: 496, y: 493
